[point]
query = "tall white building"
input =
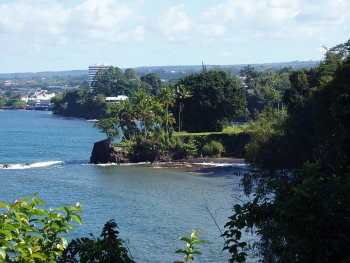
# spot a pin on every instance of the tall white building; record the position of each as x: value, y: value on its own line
x: 93, y: 70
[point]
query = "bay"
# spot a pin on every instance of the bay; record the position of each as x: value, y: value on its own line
x: 153, y: 205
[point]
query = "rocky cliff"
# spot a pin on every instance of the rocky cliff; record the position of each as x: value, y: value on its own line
x: 103, y: 152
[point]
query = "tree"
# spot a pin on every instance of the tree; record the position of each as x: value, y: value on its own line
x: 300, y: 88
x: 153, y: 83
x: 111, y: 82
x: 80, y: 103
x: 127, y: 116
x: 109, y: 127
x: 167, y: 98
x: 301, y: 203
x: 215, y: 100
x: 182, y: 93
x: 108, y: 248
x: 133, y: 79
x: 131, y: 74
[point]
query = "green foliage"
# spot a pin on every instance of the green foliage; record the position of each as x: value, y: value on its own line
x: 190, y: 249
x: 263, y: 133
x: 111, y: 82
x: 234, y: 129
x: 265, y: 87
x: 152, y: 83
x: 12, y: 100
x: 237, y: 222
x: 145, y: 122
x: 213, y: 149
x: 144, y: 149
x: 108, y: 248
x: 300, y: 89
x: 182, y: 150
x: 79, y: 103
x: 215, y: 99
x: 29, y: 233
x: 301, y: 205
x: 108, y: 126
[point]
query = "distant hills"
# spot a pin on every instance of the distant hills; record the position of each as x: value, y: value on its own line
x: 164, y: 72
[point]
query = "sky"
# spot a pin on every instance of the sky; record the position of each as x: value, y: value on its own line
x: 55, y: 35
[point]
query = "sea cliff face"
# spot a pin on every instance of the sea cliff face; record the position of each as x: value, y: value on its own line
x: 103, y: 152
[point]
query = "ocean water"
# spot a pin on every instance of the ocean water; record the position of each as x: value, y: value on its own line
x: 153, y: 205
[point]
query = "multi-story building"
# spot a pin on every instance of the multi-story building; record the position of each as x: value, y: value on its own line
x: 40, y: 100
x: 93, y: 70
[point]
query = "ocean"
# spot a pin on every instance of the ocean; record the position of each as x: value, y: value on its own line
x: 152, y: 205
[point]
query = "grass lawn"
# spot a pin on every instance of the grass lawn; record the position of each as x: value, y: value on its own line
x: 228, y: 130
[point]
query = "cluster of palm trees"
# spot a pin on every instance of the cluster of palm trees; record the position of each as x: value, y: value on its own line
x: 144, y: 114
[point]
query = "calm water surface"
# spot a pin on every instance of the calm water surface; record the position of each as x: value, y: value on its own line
x: 153, y: 206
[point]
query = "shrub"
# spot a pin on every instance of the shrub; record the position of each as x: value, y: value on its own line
x: 213, y: 149
x: 108, y: 248
x: 191, y: 248
x: 182, y: 150
x: 29, y: 233
x: 143, y: 149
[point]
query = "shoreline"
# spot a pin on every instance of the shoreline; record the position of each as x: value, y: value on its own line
x: 212, y: 160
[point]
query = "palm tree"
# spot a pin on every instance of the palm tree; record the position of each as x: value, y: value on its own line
x: 182, y: 93
x: 167, y: 98
x: 144, y: 109
x: 127, y: 116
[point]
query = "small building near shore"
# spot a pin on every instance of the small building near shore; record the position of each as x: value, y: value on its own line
x: 40, y: 99
x: 117, y: 99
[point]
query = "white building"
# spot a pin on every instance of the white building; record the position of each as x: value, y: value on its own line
x: 40, y: 99
x: 94, y: 69
x: 117, y: 99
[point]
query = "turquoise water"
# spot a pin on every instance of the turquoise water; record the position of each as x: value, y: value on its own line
x: 153, y: 206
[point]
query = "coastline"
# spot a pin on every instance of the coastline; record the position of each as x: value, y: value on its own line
x: 212, y: 167
x: 211, y: 160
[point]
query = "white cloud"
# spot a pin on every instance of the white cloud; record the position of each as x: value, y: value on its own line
x: 204, y: 28
x: 50, y: 23
x: 226, y: 55
x: 175, y: 24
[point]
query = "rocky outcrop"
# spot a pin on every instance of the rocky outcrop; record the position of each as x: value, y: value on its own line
x: 103, y: 152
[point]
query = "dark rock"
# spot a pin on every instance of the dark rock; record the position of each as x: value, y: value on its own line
x: 103, y: 152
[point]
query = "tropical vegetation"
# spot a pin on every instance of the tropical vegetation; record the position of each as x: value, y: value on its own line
x: 29, y: 233
x: 301, y: 204
x: 299, y: 148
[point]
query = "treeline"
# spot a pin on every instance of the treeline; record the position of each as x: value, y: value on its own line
x: 301, y: 204
x: 12, y: 100
x: 90, y: 103
x: 200, y: 102
x: 259, y: 88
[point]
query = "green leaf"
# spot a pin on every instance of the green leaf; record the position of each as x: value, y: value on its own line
x: 39, y: 256
x: 77, y: 218
x: 188, y: 240
x: 2, y: 253
x: 4, y: 205
x: 18, y: 218
x: 6, y: 233
x: 66, y: 209
x: 198, y: 241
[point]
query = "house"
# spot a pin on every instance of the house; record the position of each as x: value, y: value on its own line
x: 117, y: 99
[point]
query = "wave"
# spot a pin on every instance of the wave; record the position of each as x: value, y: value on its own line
x: 21, y: 166
x: 238, y: 165
x: 118, y: 164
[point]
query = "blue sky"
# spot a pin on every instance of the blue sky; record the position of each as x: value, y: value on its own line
x: 43, y: 35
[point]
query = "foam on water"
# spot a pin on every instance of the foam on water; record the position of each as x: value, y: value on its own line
x: 21, y: 166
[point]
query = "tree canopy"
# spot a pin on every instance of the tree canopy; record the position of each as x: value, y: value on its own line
x: 301, y: 205
x: 215, y: 99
